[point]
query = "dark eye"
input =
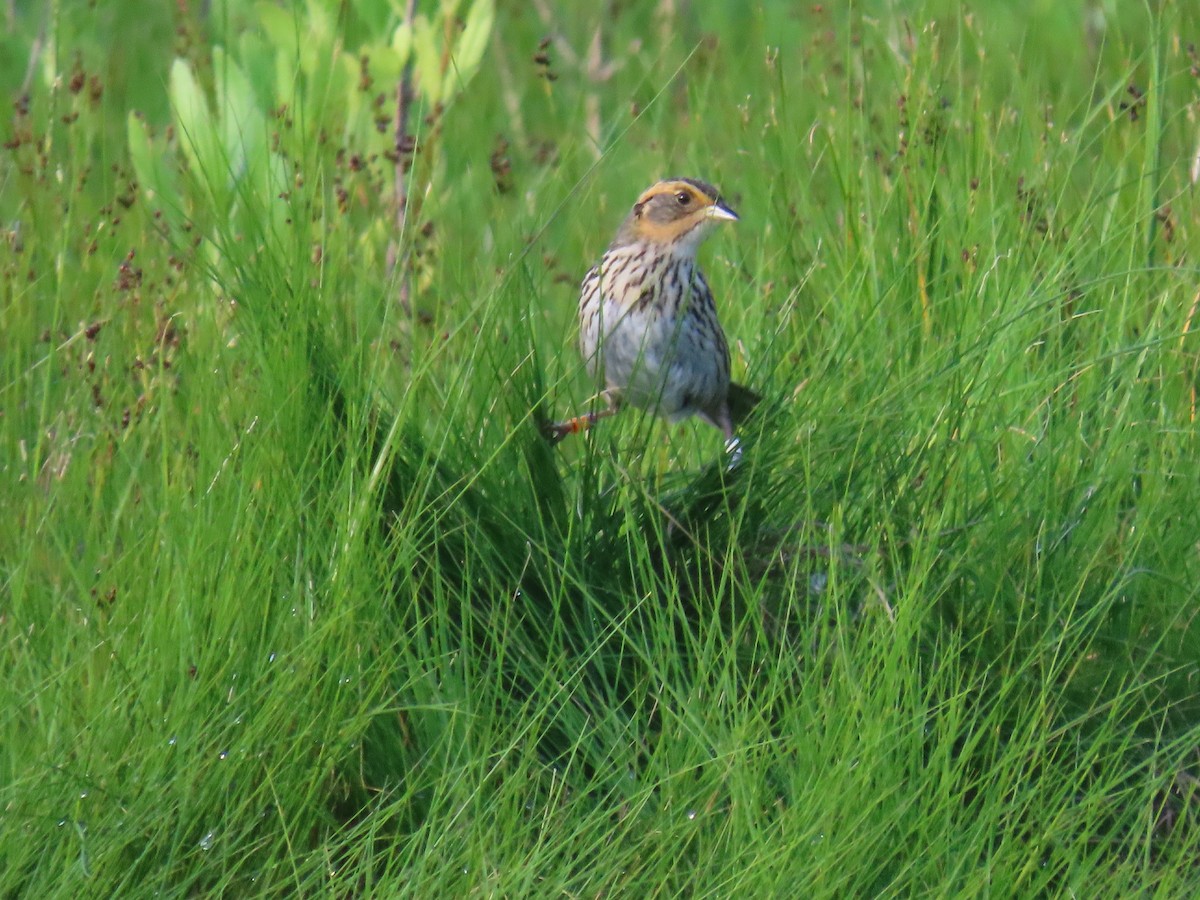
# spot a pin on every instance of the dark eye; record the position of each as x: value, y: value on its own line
x: 683, y: 198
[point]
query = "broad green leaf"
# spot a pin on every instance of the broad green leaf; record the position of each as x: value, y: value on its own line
x: 374, y: 13
x: 474, y: 40
x: 320, y: 27
x: 257, y: 58
x: 448, y: 10
x: 280, y: 28
x: 428, y: 57
x: 155, y: 178
x: 353, y: 103
x: 243, y: 125
x: 402, y: 40
x: 386, y: 64
x: 197, y: 131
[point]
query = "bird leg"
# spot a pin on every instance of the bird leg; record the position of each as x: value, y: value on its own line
x: 733, y: 447
x: 556, y: 431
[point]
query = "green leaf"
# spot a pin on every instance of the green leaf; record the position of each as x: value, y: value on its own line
x: 386, y: 64
x: 155, y: 178
x: 194, y: 119
x: 280, y: 28
x: 402, y: 41
x: 473, y: 42
x: 243, y: 126
x: 258, y: 62
x: 427, y: 63
x: 374, y: 13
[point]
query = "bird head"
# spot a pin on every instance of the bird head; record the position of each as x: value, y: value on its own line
x: 676, y: 213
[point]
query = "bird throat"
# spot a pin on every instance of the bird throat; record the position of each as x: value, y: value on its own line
x: 634, y: 275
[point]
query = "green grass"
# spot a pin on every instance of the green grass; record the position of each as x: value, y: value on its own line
x: 294, y: 600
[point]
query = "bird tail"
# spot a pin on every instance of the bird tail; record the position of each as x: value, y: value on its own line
x: 741, y: 401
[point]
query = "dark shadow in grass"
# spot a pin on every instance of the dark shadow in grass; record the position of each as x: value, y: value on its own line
x: 583, y: 559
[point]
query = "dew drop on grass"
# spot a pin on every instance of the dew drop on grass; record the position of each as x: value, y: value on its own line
x: 224, y: 754
x: 691, y: 814
x: 206, y: 842
x: 171, y: 741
